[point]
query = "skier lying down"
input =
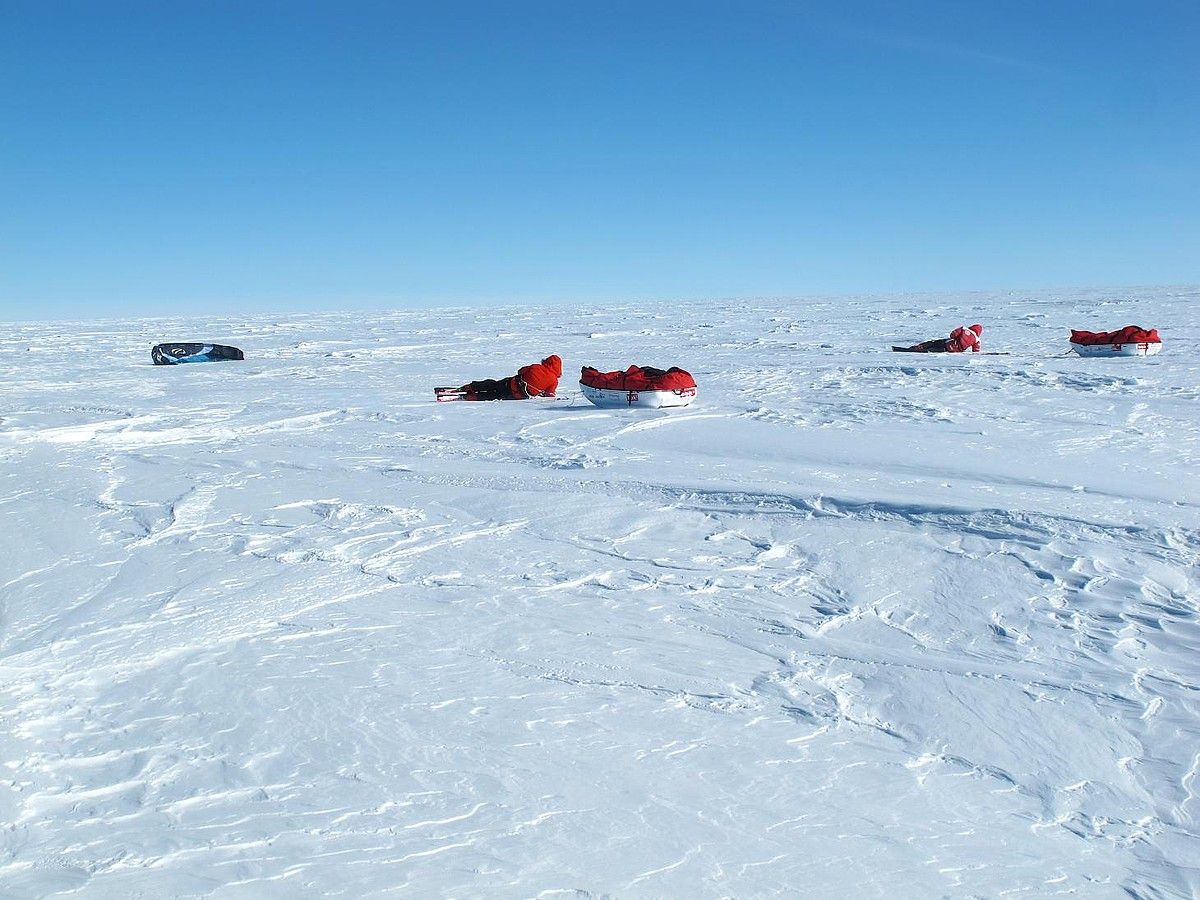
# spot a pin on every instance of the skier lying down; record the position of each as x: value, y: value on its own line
x: 961, y: 340
x: 537, y: 380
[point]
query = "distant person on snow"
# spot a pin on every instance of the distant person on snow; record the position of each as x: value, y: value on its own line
x: 961, y: 340
x: 537, y: 380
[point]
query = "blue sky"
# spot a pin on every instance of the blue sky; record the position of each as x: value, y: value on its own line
x: 220, y: 156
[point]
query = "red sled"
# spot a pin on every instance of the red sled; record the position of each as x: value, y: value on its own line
x: 1131, y: 340
x: 643, y: 386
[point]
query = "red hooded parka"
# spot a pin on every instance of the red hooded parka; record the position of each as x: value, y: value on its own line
x: 963, y: 339
x: 539, y: 379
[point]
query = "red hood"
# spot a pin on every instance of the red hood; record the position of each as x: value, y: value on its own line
x: 554, y: 363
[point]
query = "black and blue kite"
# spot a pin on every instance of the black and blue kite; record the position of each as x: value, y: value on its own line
x: 174, y: 354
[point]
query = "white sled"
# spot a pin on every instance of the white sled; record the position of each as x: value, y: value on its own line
x: 645, y: 399
x: 1141, y: 348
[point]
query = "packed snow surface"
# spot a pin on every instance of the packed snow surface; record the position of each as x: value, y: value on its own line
x: 856, y: 623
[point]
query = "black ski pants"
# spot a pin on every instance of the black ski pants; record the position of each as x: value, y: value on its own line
x: 491, y: 389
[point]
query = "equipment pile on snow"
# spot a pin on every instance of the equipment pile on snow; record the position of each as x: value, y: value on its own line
x: 174, y: 354
x: 1131, y: 340
x: 638, y: 386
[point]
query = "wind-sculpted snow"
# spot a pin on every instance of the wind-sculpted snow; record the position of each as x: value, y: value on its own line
x: 853, y: 624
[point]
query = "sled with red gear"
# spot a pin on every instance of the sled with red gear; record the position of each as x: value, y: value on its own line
x: 1132, y: 340
x: 641, y: 386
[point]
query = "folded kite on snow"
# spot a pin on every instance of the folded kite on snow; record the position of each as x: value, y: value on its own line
x: 638, y: 386
x: 174, y: 354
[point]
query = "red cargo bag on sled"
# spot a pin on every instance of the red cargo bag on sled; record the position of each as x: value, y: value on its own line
x: 1128, y: 341
x: 638, y: 386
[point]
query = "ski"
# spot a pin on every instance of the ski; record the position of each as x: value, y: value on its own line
x: 945, y: 352
x: 451, y: 394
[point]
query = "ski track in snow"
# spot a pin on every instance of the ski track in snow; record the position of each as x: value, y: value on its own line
x: 853, y: 623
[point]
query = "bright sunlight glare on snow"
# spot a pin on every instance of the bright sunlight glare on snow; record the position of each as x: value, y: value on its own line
x: 853, y: 623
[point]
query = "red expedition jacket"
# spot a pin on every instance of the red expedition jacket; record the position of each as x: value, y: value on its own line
x: 963, y: 339
x: 539, y: 379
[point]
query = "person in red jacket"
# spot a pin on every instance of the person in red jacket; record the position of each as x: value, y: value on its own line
x: 961, y: 340
x: 536, y: 380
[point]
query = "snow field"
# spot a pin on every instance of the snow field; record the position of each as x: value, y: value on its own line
x: 854, y: 622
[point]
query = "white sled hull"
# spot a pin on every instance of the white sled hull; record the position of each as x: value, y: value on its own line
x: 1142, y: 348
x: 645, y: 399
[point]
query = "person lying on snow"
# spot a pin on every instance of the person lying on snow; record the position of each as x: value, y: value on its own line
x: 961, y: 340
x: 537, y: 380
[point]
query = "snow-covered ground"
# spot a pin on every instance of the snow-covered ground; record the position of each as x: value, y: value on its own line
x: 854, y: 624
